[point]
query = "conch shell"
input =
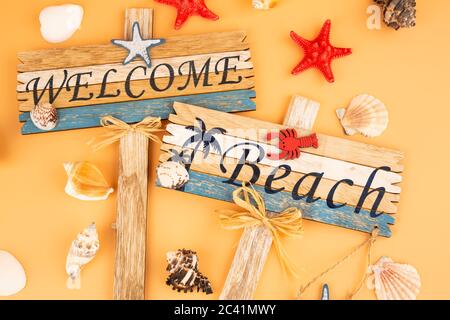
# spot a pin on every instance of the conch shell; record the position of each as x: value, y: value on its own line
x: 184, y: 275
x: 44, y: 116
x: 83, y: 250
x: 393, y: 281
x: 86, y: 182
x: 264, y: 4
x: 366, y: 115
x: 172, y: 175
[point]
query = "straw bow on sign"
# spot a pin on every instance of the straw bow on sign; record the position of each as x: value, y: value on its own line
x: 118, y: 129
x: 288, y: 223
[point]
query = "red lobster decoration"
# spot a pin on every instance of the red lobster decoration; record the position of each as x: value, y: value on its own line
x: 290, y: 144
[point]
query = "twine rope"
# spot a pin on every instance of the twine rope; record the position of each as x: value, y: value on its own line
x: 116, y: 129
x: 288, y: 223
x: 370, y: 242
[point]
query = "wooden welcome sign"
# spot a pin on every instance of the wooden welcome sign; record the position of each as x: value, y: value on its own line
x: 341, y: 182
x: 88, y: 83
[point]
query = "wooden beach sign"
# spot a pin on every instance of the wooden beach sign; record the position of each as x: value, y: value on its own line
x: 341, y: 182
x: 88, y: 83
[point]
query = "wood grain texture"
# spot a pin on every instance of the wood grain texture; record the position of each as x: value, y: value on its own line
x: 330, y: 147
x: 64, y: 98
x: 110, y: 54
x: 135, y: 111
x: 344, y: 194
x: 132, y: 198
x: 255, y: 243
x: 120, y: 75
x: 307, y: 163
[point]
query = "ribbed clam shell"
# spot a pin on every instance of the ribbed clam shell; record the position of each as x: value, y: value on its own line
x: 172, y: 175
x: 44, y: 116
x: 394, y: 281
x: 366, y: 115
x: 83, y: 249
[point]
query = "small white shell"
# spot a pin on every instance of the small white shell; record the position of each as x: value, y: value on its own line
x: 59, y: 23
x: 394, y: 281
x: 263, y: 4
x: 44, y: 116
x: 172, y: 175
x: 366, y: 115
x: 82, y: 251
x: 12, y: 275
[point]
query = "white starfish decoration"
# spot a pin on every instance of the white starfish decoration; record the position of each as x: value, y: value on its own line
x: 138, y: 47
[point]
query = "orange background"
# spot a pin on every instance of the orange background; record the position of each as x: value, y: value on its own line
x: 408, y: 70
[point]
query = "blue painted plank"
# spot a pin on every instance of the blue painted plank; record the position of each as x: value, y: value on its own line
x: 135, y: 111
x: 213, y: 187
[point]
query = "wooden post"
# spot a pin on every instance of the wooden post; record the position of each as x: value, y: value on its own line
x: 131, y: 225
x: 256, y: 242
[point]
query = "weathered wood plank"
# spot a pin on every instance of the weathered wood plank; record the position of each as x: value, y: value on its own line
x: 132, y: 196
x: 240, y: 61
x: 135, y: 111
x: 307, y: 163
x: 213, y: 187
x: 330, y: 147
x: 64, y: 98
x: 109, y: 54
x: 344, y: 194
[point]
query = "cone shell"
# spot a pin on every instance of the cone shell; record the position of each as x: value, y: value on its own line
x: 172, y: 175
x: 82, y: 251
x: 394, y: 281
x: 264, y: 4
x: 86, y: 182
x: 366, y: 115
x: 44, y: 116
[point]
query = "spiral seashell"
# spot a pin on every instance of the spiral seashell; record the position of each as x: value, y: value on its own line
x: 394, y: 281
x: 86, y: 182
x: 82, y: 251
x: 44, y: 116
x: 172, y: 175
x: 264, y: 4
x: 366, y: 115
x: 184, y: 275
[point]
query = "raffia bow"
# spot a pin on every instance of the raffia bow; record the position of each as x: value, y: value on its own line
x: 118, y: 129
x: 287, y: 223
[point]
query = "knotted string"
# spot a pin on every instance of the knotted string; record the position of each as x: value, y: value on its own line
x: 287, y: 223
x: 116, y: 129
x: 371, y: 241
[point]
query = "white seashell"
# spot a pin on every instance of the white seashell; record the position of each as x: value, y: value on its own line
x: 394, y: 281
x: 44, y: 116
x: 172, y: 175
x: 59, y: 23
x: 264, y: 4
x: 82, y: 251
x: 12, y: 275
x: 366, y: 115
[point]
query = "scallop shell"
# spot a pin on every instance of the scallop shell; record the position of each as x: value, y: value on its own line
x: 264, y: 4
x: 172, y: 175
x: 366, y: 115
x: 82, y: 251
x: 86, y: 182
x: 44, y: 116
x: 12, y: 275
x: 393, y: 281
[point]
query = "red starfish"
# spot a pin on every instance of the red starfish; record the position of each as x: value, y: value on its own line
x: 319, y: 52
x: 188, y: 8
